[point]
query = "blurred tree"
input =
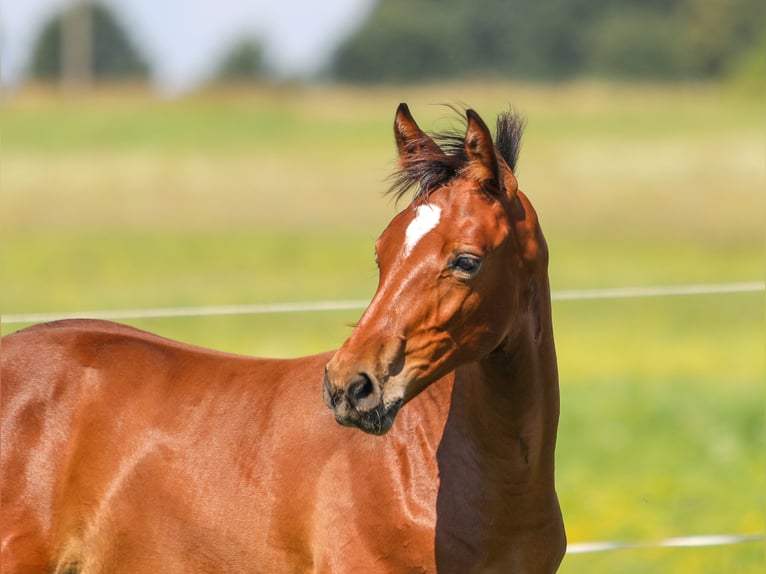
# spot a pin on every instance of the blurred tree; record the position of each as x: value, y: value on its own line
x: 720, y: 32
x: 408, y: 40
x: 636, y: 42
x: 396, y: 45
x: 242, y: 63
x: 426, y: 39
x: 113, y: 54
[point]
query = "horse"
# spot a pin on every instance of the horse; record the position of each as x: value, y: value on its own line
x: 123, y: 451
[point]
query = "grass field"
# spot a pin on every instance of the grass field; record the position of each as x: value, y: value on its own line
x: 117, y: 200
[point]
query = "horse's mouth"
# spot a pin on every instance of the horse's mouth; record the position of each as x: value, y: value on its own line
x: 377, y: 421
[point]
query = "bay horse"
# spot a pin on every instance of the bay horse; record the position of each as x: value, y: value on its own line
x: 126, y: 452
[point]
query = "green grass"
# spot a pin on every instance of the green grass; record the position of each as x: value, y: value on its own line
x: 117, y: 200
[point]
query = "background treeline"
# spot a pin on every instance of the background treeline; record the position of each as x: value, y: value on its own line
x: 414, y: 40
x: 410, y: 40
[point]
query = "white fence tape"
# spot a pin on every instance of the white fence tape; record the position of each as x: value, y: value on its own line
x: 350, y: 304
x: 659, y: 291
x: 206, y: 311
x: 680, y: 542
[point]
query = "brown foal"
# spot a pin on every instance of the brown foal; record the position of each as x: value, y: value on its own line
x: 126, y: 452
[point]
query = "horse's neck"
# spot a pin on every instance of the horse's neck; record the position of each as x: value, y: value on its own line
x: 497, y: 508
x: 507, y: 406
x: 501, y: 430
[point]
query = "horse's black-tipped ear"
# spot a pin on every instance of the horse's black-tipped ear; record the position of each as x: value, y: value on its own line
x: 480, y: 150
x: 410, y: 139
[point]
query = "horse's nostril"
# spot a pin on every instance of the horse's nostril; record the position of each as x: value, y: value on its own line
x: 359, y: 389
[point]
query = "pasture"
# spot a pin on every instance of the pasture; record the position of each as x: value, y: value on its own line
x: 116, y: 200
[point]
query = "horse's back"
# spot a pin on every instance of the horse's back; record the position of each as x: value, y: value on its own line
x: 123, y: 451
x: 100, y: 420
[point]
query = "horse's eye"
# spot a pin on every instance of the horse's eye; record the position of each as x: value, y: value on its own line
x: 468, y: 264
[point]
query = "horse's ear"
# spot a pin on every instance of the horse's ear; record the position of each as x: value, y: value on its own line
x: 411, y: 141
x: 480, y: 149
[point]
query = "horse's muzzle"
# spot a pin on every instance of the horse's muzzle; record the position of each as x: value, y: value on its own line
x: 360, y: 404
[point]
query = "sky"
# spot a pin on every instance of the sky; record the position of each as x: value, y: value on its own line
x: 185, y: 39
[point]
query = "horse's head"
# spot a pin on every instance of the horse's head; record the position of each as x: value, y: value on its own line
x: 458, y: 270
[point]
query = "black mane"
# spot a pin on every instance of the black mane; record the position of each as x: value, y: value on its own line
x: 510, y: 127
x: 426, y: 169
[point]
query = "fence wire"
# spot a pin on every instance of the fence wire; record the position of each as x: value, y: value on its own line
x: 704, y: 540
x: 356, y: 304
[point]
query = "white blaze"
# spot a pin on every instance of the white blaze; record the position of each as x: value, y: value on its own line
x: 426, y: 218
